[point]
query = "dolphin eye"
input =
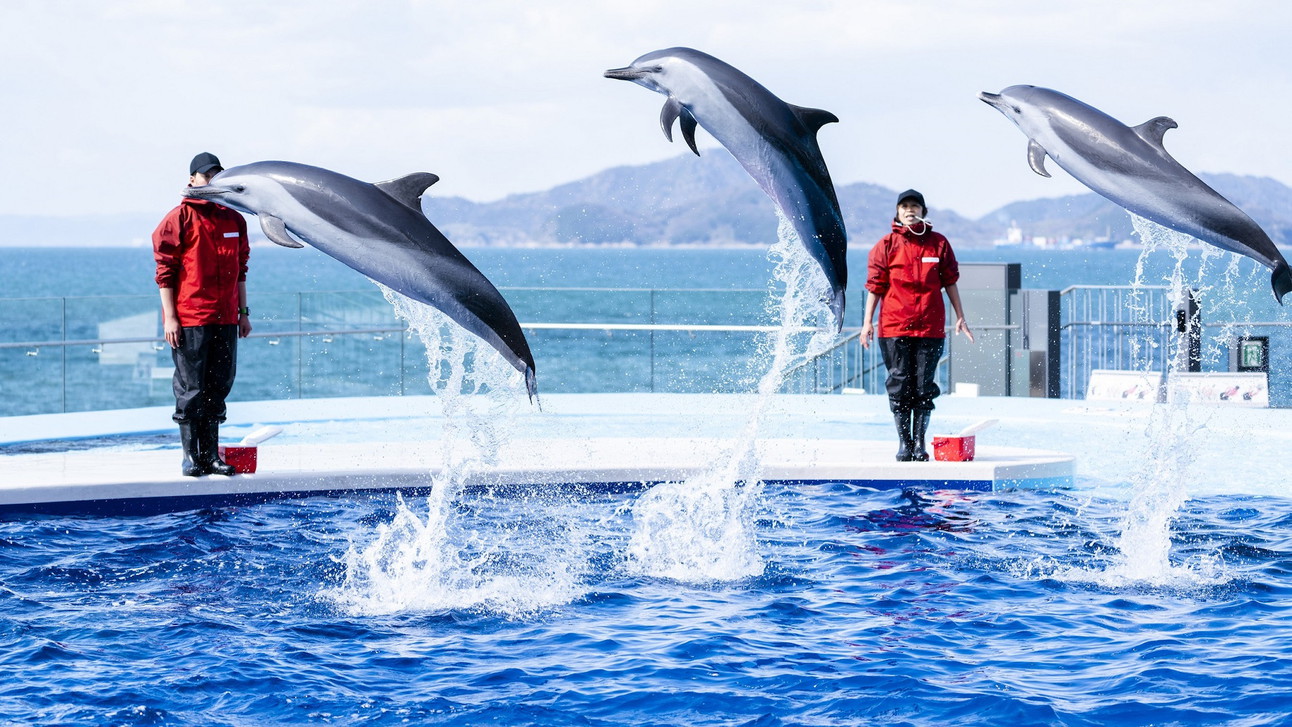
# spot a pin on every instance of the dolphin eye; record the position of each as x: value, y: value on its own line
x: 1017, y: 110
x: 239, y: 188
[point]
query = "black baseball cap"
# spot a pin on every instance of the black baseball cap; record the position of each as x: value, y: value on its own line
x: 203, y: 163
x: 911, y: 194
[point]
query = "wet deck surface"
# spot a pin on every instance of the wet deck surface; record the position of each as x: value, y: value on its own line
x: 615, y: 441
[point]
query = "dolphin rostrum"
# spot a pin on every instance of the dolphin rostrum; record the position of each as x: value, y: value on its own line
x: 379, y: 230
x: 1130, y: 167
x: 774, y: 141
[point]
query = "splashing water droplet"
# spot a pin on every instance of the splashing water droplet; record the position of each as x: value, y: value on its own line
x: 703, y: 529
x: 1159, y: 489
x: 453, y: 550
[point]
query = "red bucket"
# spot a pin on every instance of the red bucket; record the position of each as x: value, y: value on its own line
x: 953, y: 449
x: 243, y: 459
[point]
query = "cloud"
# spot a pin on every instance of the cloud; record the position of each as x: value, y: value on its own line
x: 500, y: 96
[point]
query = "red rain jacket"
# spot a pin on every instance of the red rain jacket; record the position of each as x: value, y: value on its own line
x: 201, y: 250
x: 908, y: 272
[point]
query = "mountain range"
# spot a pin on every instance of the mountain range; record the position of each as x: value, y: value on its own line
x: 711, y: 200
x: 704, y: 201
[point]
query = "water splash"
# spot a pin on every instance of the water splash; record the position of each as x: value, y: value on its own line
x: 697, y: 531
x: 444, y: 552
x: 440, y: 560
x: 1142, y: 549
x: 704, y: 529
x: 481, y: 395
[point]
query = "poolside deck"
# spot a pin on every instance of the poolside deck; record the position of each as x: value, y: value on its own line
x: 102, y: 480
x: 613, y: 441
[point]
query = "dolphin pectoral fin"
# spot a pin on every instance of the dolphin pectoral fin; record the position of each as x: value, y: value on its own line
x: 667, y: 115
x: 1036, y: 157
x: 813, y: 119
x: 688, y: 130
x: 408, y: 190
x: 1153, y: 129
x: 276, y: 231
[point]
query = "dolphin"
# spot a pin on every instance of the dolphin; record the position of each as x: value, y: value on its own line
x: 1130, y: 167
x: 774, y: 141
x: 379, y: 230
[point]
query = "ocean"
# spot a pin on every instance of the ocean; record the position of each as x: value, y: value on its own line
x: 97, y: 293
x: 35, y: 272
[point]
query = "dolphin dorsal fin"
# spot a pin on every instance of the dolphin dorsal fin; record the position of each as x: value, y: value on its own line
x: 1036, y: 157
x: 276, y: 231
x: 408, y: 189
x: 813, y: 119
x: 1153, y: 130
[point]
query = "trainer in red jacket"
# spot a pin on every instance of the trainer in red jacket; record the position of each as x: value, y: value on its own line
x: 201, y: 250
x: 907, y: 272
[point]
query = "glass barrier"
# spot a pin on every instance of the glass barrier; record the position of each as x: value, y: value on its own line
x: 106, y: 352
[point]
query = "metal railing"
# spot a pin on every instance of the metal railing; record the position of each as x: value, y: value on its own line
x: 350, y: 343
x: 1137, y: 328
x: 825, y: 374
x: 1112, y: 327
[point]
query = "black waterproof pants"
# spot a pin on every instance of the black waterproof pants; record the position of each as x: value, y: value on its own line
x: 912, y: 367
x: 205, y: 363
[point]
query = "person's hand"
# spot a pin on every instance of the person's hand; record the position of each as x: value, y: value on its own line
x: 962, y: 327
x: 173, y: 333
x: 244, y: 326
x: 867, y: 333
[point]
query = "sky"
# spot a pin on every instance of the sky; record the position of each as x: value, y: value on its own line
x: 105, y: 102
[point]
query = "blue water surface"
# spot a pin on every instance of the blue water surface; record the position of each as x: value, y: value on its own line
x: 875, y: 607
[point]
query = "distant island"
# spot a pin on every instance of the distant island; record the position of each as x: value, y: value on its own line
x: 708, y: 201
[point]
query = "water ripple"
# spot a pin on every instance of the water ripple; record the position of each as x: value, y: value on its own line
x: 873, y: 607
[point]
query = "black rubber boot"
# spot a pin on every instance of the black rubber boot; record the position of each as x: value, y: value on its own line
x: 194, y: 465
x: 902, y: 418
x: 210, y: 437
x: 919, y: 425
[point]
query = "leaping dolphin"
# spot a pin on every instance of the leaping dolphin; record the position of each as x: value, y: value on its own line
x: 774, y: 141
x: 381, y: 231
x: 1130, y: 167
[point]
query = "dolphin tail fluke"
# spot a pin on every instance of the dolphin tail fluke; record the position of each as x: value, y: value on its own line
x: 836, y: 307
x: 1281, y: 280
x: 531, y: 386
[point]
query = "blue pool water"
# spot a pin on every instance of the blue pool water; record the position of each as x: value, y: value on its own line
x: 871, y: 608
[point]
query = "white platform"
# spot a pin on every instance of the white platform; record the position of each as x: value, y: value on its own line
x: 96, y: 476
x: 618, y: 441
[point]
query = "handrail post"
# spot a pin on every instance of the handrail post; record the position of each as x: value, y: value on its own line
x: 64, y: 354
x: 1188, y: 326
x: 300, y: 346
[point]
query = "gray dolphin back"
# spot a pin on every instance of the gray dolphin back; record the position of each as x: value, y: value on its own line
x: 388, y: 239
x: 1131, y: 167
x: 774, y: 141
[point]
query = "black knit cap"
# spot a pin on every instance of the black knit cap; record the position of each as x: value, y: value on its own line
x: 911, y: 194
x: 203, y: 163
